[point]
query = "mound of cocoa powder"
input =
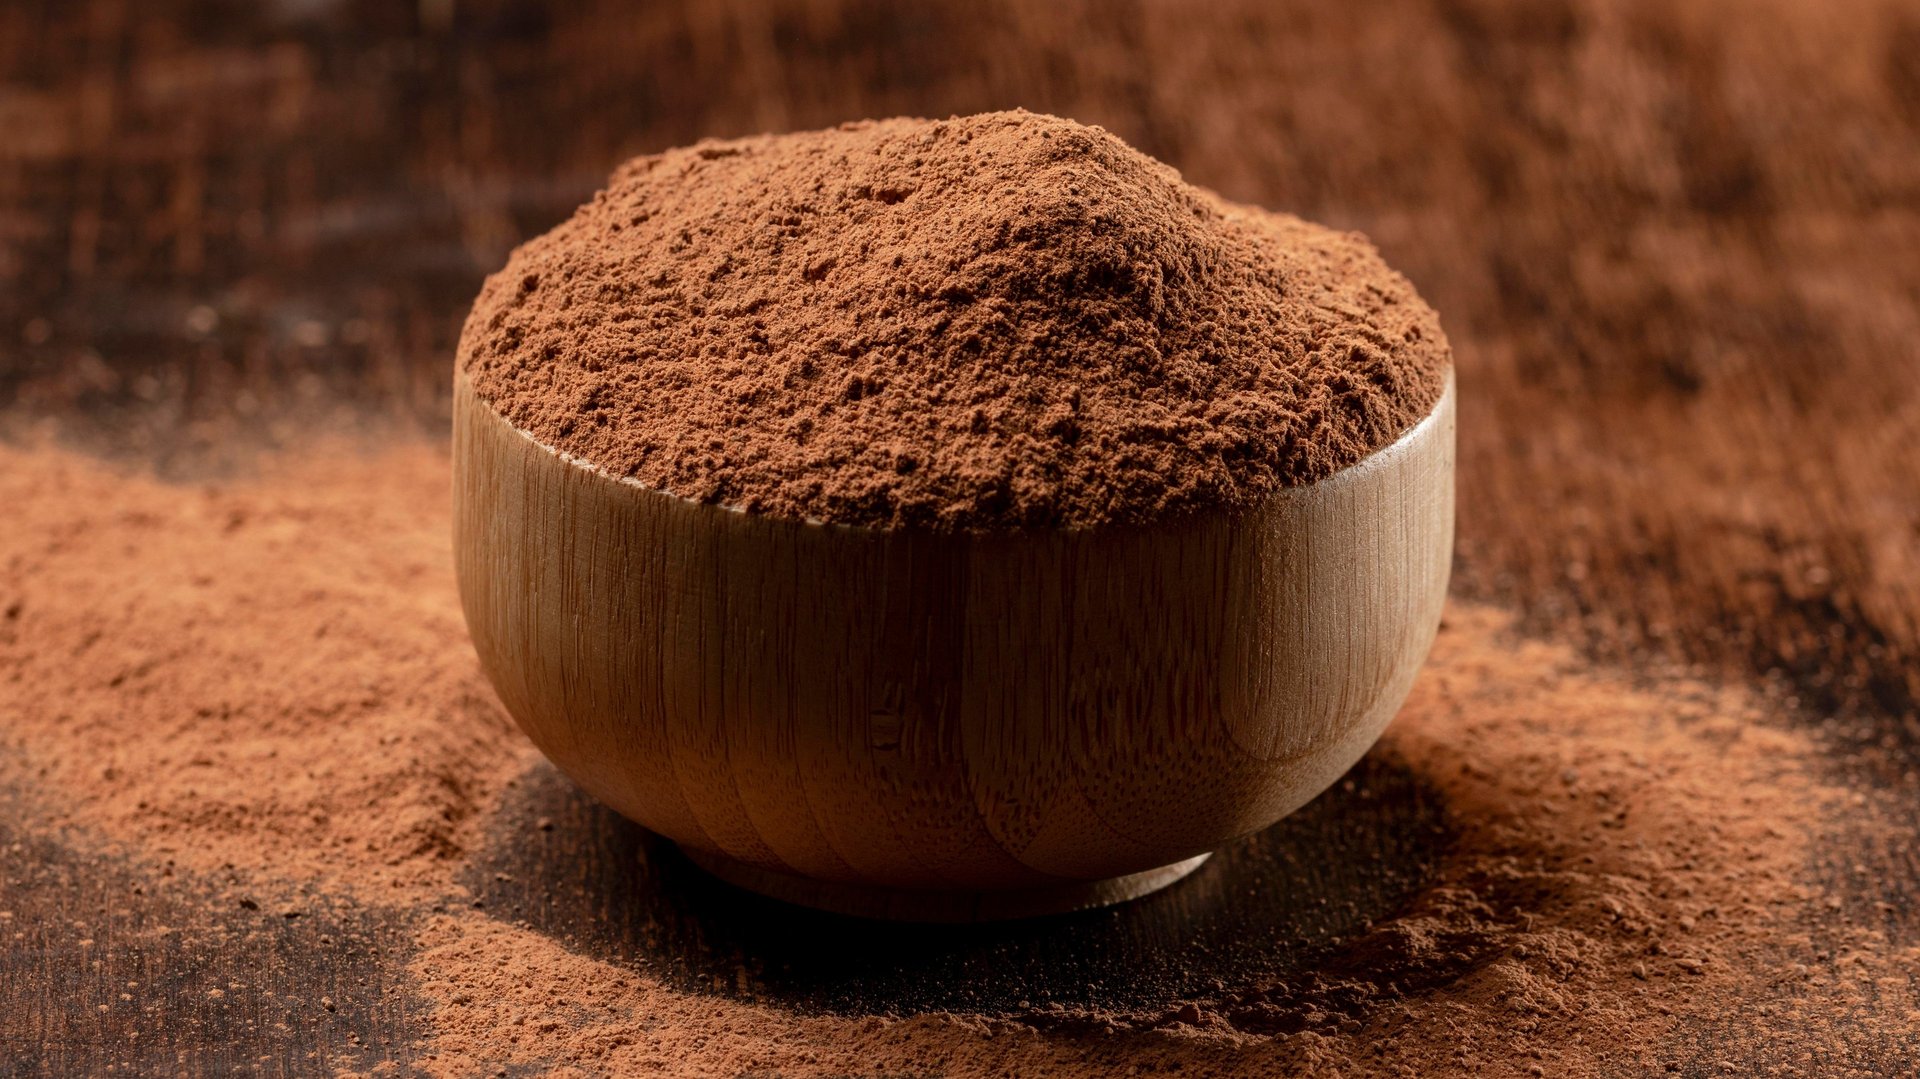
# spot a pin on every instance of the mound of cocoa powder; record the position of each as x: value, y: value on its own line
x: 996, y: 321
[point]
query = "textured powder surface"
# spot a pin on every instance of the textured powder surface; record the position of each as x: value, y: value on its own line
x: 196, y: 669
x: 267, y: 678
x: 1677, y: 248
x: 998, y: 321
x: 1623, y: 882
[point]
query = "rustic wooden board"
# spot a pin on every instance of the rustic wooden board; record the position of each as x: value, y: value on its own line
x: 104, y: 967
x: 1691, y: 238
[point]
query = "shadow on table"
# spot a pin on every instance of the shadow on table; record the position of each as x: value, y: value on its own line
x: 1257, y: 912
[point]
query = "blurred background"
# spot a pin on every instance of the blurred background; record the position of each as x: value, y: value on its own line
x: 1677, y: 246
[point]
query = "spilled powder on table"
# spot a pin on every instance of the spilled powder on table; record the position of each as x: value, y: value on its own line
x: 1630, y: 856
x: 270, y: 675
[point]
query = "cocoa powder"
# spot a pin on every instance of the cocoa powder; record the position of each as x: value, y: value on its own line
x: 194, y: 671
x: 1624, y: 879
x: 998, y: 321
x: 268, y: 678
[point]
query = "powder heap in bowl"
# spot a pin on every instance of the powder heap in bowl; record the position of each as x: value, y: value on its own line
x: 987, y: 323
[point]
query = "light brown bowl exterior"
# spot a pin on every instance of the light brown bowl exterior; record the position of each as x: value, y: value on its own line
x: 928, y: 714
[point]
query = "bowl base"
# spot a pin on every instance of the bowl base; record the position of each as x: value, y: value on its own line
x: 925, y: 905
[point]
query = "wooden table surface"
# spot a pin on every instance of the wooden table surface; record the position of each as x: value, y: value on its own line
x: 1678, y: 254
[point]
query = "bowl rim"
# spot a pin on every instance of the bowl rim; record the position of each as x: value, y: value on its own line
x: 463, y: 387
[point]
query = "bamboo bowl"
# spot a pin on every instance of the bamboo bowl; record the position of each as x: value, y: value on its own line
x: 947, y: 727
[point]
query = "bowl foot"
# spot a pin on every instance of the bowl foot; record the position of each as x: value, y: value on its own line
x: 925, y: 905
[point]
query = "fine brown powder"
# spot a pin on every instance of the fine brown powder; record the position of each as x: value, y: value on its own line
x: 998, y: 321
x: 195, y: 669
x: 1631, y: 872
x: 268, y: 678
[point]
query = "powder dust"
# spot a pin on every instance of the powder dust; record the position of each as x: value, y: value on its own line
x: 272, y: 676
x: 995, y: 321
x: 269, y: 675
x: 1631, y: 861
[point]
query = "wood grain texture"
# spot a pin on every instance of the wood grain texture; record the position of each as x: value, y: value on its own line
x: 948, y: 712
x: 108, y: 967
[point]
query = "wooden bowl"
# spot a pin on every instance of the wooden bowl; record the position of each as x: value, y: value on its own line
x: 948, y: 726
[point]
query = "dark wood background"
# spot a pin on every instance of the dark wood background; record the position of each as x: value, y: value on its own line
x: 1677, y: 248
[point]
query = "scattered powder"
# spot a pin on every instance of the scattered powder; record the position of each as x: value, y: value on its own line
x: 270, y: 675
x: 997, y: 321
x: 1624, y: 874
